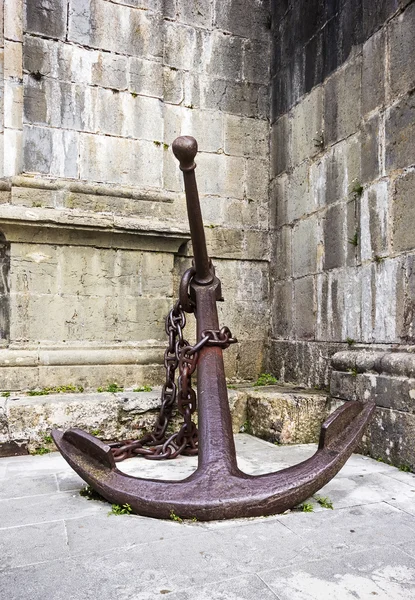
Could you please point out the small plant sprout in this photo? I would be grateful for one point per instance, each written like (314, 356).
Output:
(378, 259)
(319, 139)
(306, 507)
(265, 379)
(59, 389)
(354, 241)
(356, 188)
(96, 432)
(41, 450)
(111, 388)
(175, 517)
(117, 509)
(89, 493)
(324, 502)
(5, 394)
(405, 468)
(350, 341)
(353, 371)
(246, 427)
(143, 388)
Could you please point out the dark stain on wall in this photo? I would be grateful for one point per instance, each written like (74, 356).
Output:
(312, 38)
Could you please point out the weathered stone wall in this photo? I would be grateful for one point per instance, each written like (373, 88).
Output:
(91, 196)
(343, 184)
(343, 180)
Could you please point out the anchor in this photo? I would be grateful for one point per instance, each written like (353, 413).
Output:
(218, 489)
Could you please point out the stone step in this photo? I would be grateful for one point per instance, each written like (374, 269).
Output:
(281, 414)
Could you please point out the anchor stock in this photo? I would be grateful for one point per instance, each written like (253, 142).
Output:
(217, 489)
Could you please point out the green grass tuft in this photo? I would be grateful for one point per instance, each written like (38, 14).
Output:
(265, 379)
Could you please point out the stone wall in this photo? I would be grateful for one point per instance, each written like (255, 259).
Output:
(343, 184)
(343, 180)
(92, 214)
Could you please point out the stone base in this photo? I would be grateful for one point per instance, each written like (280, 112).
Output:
(281, 414)
(286, 415)
(304, 363)
(388, 379)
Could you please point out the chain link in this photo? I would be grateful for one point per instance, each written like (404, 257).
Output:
(157, 445)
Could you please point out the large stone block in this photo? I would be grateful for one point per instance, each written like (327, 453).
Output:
(245, 18)
(304, 240)
(282, 309)
(222, 175)
(375, 14)
(178, 40)
(111, 70)
(404, 213)
(256, 62)
(307, 125)
(257, 183)
(225, 60)
(302, 362)
(13, 104)
(393, 392)
(328, 301)
(145, 77)
(334, 225)
(281, 137)
(173, 86)
(120, 160)
(46, 17)
(287, 416)
(299, 200)
(370, 150)
(343, 102)
(50, 151)
(374, 221)
(373, 72)
(13, 60)
(245, 137)
(114, 27)
(304, 308)
(402, 52)
(205, 126)
(238, 98)
(407, 332)
(282, 253)
(195, 13)
(390, 437)
(400, 138)
(12, 13)
(341, 168)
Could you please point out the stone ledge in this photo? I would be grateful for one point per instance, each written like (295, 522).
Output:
(398, 363)
(281, 414)
(85, 187)
(85, 355)
(18, 224)
(386, 378)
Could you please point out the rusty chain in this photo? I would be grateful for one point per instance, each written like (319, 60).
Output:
(157, 445)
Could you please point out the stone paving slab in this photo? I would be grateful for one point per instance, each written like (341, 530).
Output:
(55, 543)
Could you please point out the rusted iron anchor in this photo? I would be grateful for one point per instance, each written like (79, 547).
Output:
(217, 489)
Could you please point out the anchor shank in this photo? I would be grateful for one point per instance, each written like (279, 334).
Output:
(216, 442)
(185, 149)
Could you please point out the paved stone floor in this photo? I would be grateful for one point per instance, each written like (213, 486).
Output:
(56, 544)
